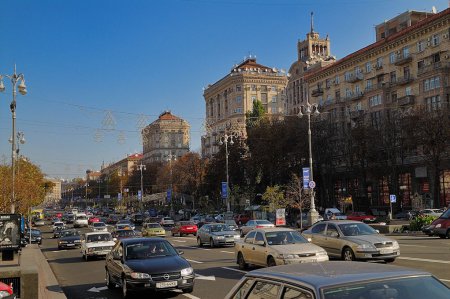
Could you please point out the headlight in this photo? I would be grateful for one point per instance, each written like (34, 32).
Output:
(287, 256)
(219, 237)
(4, 294)
(237, 236)
(62, 242)
(322, 253)
(138, 275)
(187, 271)
(366, 247)
(438, 225)
(77, 241)
(395, 244)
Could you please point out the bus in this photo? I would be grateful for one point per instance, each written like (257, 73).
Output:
(37, 213)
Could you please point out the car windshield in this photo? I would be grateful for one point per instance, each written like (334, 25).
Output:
(59, 224)
(99, 224)
(258, 222)
(356, 229)
(149, 249)
(69, 233)
(153, 225)
(35, 232)
(446, 215)
(98, 238)
(126, 233)
(284, 237)
(220, 228)
(410, 287)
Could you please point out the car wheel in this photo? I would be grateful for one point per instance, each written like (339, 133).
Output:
(199, 242)
(389, 260)
(109, 283)
(271, 262)
(124, 288)
(181, 234)
(86, 257)
(348, 255)
(188, 290)
(442, 236)
(241, 262)
(211, 243)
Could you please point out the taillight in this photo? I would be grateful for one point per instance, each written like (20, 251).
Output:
(259, 226)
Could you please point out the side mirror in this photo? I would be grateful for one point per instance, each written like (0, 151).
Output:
(260, 243)
(180, 252)
(377, 231)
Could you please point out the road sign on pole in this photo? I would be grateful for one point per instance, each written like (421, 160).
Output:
(312, 184)
(393, 198)
(139, 195)
(169, 195)
(306, 178)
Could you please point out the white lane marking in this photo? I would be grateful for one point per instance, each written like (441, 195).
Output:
(237, 270)
(227, 251)
(62, 250)
(191, 296)
(180, 241)
(446, 280)
(196, 248)
(422, 260)
(198, 276)
(196, 262)
(413, 245)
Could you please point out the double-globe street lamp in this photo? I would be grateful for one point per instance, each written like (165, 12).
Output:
(15, 79)
(225, 139)
(309, 109)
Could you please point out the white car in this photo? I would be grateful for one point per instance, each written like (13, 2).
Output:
(99, 227)
(58, 225)
(80, 220)
(96, 244)
(167, 221)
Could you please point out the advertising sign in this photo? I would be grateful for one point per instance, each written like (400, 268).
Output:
(9, 231)
(280, 217)
(306, 178)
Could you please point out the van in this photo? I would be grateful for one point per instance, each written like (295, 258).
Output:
(81, 220)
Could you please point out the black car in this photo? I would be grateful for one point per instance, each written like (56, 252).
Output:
(36, 237)
(148, 264)
(57, 232)
(138, 219)
(69, 238)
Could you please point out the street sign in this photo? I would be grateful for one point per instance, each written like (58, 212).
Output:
(393, 198)
(247, 201)
(312, 184)
(224, 190)
(106, 196)
(169, 195)
(139, 195)
(305, 178)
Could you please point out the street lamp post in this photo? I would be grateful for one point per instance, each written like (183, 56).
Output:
(142, 167)
(171, 157)
(225, 139)
(15, 78)
(309, 109)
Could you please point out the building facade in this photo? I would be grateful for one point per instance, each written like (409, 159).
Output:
(164, 138)
(123, 167)
(53, 195)
(407, 66)
(227, 100)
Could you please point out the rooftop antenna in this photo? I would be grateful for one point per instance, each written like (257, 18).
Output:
(433, 9)
(312, 22)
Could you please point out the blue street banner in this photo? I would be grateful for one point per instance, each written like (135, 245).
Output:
(224, 190)
(393, 198)
(169, 195)
(139, 195)
(306, 178)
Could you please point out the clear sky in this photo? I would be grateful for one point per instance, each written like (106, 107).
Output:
(98, 70)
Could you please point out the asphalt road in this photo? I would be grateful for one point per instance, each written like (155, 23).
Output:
(215, 268)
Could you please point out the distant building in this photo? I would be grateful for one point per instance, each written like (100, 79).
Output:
(231, 97)
(54, 194)
(167, 136)
(122, 167)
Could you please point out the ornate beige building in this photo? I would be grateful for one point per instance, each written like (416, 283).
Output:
(231, 97)
(123, 167)
(166, 137)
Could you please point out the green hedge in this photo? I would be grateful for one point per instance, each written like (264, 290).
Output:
(417, 223)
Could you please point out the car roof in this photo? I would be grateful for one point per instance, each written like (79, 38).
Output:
(96, 233)
(340, 221)
(323, 274)
(275, 229)
(129, 241)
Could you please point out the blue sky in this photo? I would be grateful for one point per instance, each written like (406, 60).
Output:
(96, 70)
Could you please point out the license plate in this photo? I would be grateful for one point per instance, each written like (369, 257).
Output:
(166, 284)
(385, 251)
(70, 244)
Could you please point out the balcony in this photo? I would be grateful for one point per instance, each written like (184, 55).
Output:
(317, 92)
(403, 59)
(406, 100)
(352, 78)
(356, 113)
(405, 80)
(441, 65)
(378, 67)
(354, 96)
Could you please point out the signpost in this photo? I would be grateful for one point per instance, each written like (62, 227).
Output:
(392, 199)
(312, 184)
(169, 195)
(306, 175)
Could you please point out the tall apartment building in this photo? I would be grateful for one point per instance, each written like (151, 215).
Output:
(53, 195)
(407, 65)
(165, 137)
(228, 99)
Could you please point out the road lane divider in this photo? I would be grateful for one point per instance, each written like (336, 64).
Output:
(193, 261)
(190, 296)
(236, 270)
(227, 251)
(423, 260)
(180, 241)
(192, 247)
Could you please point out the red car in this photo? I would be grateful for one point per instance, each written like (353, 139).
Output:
(93, 219)
(184, 228)
(241, 219)
(361, 216)
(6, 291)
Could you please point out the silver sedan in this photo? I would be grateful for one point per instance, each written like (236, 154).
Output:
(252, 224)
(216, 234)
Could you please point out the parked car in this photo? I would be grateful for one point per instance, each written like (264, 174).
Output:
(36, 237)
(216, 234)
(361, 216)
(184, 228)
(339, 280)
(119, 234)
(334, 214)
(93, 219)
(69, 238)
(252, 224)
(6, 291)
(99, 227)
(431, 212)
(148, 264)
(96, 244)
(276, 246)
(153, 230)
(440, 226)
(352, 240)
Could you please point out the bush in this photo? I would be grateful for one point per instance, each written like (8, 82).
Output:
(418, 222)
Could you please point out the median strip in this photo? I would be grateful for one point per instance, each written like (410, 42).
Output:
(227, 251)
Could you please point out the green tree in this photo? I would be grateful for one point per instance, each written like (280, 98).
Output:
(274, 197)
(253, 117)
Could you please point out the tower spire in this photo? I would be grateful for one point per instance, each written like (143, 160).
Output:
(312, 22)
